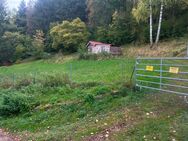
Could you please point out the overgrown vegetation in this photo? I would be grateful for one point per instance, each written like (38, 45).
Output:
(84, 105)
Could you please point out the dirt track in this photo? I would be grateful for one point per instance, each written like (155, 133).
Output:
(6, 137)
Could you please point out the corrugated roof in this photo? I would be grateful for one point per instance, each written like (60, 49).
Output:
(94, 43)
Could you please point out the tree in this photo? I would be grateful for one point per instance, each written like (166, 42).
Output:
(71, 35)
(141, 8)
(141, 14)
(38, 42)
(50, 11)
(18, 46)
(94, 7)
(162, 2)
(6, 52)
(29, 17)
(21, 21)
(151, 23)
(3, 16)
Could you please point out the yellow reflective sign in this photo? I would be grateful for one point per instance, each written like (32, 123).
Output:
(174, 70)
(149, 68)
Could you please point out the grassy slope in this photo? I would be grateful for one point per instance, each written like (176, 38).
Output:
(175, 47)
(104, 70)
(69, 113)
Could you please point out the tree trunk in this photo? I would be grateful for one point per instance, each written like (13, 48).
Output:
(151, 23)
(160, 21)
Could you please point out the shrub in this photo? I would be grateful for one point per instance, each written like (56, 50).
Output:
(82, 113)
(46, 55)
(124, 91)
(91, 56)
(87, 56)
(55, 80)
(13, 104)
(102, 90)
(23, 83)
(89, 99)
(89, 84)
(6, 84)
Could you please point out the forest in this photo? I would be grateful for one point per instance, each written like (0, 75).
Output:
(40, 28)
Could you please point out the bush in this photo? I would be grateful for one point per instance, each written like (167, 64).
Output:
(90, 56)
(55, 80)
(89, 99)
(6, 84)
(13, 104)
(89, 84)
(124, 91)
(102, 90)
(87, 56)
(23, 83)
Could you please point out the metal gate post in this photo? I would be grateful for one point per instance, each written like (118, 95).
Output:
(161, 72)
(135, 73)
(187, 49)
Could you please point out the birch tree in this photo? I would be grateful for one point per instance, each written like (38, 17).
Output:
(162, 4)
(141, 13)
(160, 21)
(151, 23)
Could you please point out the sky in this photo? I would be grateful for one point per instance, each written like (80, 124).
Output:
(13, 3)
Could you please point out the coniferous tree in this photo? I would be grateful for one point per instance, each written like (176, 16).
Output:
(29, 17)
(3, 15)
(21, 21)
(99, 12)
(49, 11)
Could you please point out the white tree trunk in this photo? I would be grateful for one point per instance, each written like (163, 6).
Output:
(151, 22)
(160, 21)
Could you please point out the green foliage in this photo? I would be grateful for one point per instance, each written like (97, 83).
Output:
(87, 56)
(14, 104)
(55, 80)
(117, 22)
(6, 52)
(91, 56)
(89, 99)
(21, 17)
(100, 90)
(38, 43)
(18, 46)
(72, 35)
(141, 12)
(99, 13)
(88, 107)
(23, 83)
(48, 11)
(3, 14)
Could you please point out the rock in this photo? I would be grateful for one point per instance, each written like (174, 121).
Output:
(106, 135)
(147, 114)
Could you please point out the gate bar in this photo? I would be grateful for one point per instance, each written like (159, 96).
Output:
(159, 58)
(178, 86)
(169, 78)
(162, 71)
(162, 90)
